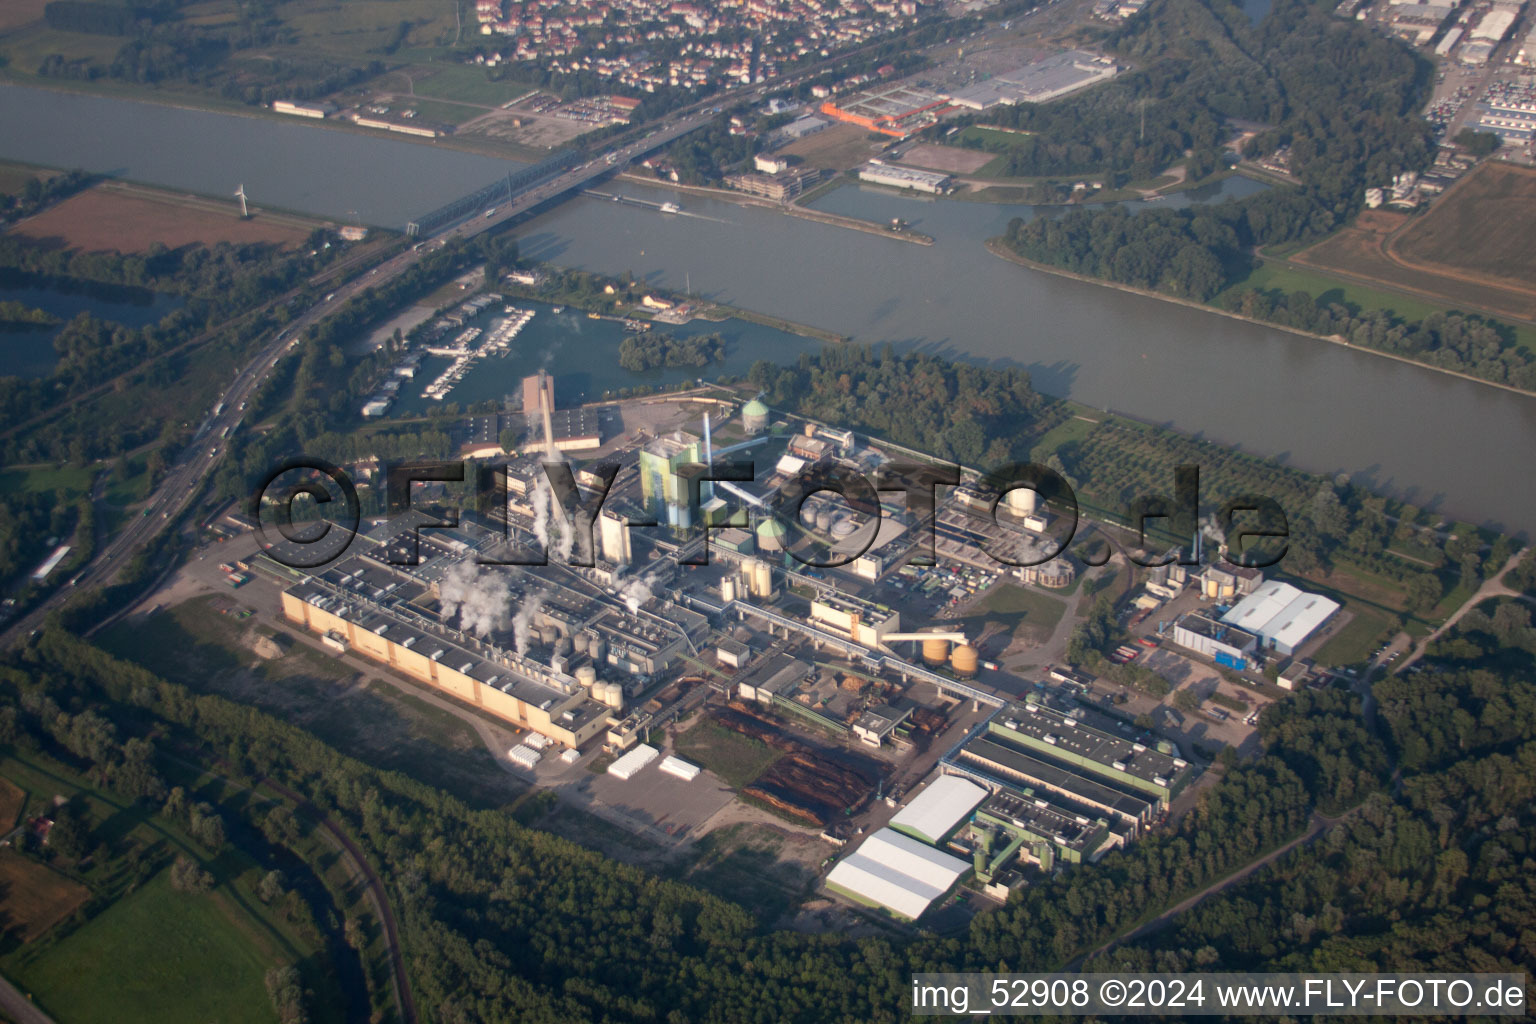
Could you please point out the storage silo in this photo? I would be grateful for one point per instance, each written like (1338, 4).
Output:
(1022, 501)
(770, 535)
(586, 675)
(824, 520)
(754, 417)
(563, 647)
(936, 651)
(579, 643)
(599, 649)
(728, 589)
(964, 661)
(762, 579)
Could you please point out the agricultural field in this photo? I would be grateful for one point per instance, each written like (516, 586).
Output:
(34, 897)
(1480, 229)
(156, 954)
(461, 83)
(13, 800)
(16, 13)
(14, 177)
(132, 219)
(1365, 252)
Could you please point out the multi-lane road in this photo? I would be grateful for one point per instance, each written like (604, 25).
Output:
(186, 476)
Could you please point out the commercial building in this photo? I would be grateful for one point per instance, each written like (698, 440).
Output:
(1067, 770)
(613, 538)
(896, 873)
(1040, 831)
(563, 713)
(939, 809)
(895, 110)
(1039, 82)
(662, 486)
(1283, 617)
(315, 110)
(1223, 643)
(862, 621)
(879, 173)
(780, 186)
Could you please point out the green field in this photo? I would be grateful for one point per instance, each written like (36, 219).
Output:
(1355, 642)
(1016, 608)
(442, 113)
(735, 758)
(73, 480)
(1274, 276)
(464, 84)
(155, 955)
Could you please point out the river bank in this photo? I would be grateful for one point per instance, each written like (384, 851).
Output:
(998, 248)
(789, 209)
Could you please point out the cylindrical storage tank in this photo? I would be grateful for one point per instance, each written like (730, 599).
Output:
(770, 535)
(579, 643)
(843, 527)
(599, 649)
(762, 578)
(563, 647)
(586, 675)
(1022, 501)
(824, 520)
(613, 695)
(728, 589)
(936, 651)
(964, 660)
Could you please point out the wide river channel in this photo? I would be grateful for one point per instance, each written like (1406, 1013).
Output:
(1451, 444)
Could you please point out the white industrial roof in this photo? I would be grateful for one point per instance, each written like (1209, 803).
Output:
(626, 766)
(1281, 613)
(897, 872)
(790, 465)
(940, 807)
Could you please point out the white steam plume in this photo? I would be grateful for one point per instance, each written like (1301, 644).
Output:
(523, 620)
(479, 600)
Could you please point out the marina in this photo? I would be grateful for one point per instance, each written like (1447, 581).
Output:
(498, 340)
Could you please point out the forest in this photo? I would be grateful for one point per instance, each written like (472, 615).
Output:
(502, 922)
(974, 415)
(1343, 98)
(653, 349)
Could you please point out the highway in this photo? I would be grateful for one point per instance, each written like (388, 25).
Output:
(185, 478)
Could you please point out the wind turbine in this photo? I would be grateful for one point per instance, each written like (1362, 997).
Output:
(245, 213)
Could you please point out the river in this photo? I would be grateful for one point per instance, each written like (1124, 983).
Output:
(1440, 441)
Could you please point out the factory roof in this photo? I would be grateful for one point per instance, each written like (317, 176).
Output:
(934, 813)
(1006, 759)
(897, 872)
(1040, 817)
(1281, 613)
(1065, 733)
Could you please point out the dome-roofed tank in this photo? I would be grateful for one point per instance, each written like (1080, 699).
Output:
(770, 535)
(586, 675)
(754, 417)
(964, 660)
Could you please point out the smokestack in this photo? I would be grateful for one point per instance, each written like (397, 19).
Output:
(709, 460)
(549, 426)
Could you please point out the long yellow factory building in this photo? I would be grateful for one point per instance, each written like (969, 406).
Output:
(570, 718)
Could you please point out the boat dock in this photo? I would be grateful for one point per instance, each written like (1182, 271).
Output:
(497, 340)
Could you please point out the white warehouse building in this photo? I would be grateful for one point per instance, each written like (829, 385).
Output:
(896, 872)
(1283, 617)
